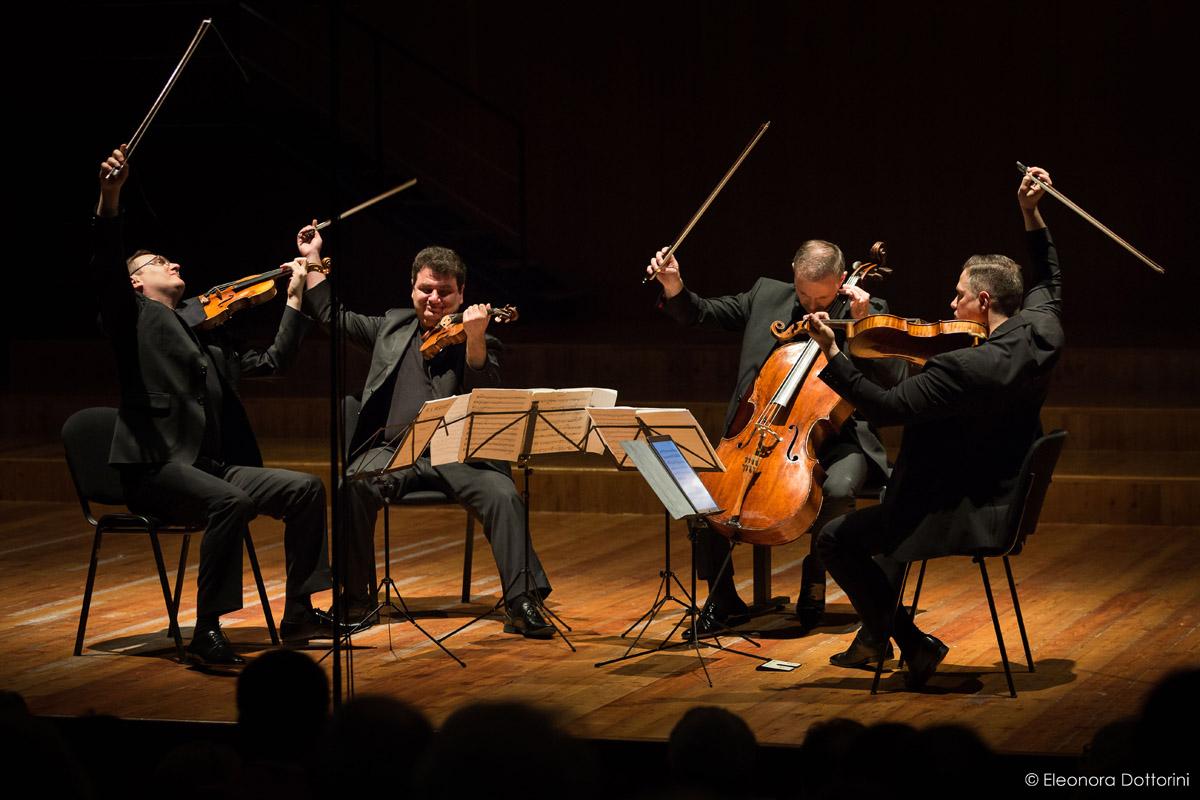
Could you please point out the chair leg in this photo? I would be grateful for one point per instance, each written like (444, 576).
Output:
(87, 590)
(262, 590)
(883, 645)
(183, 553)
(1012, 587)
(916, 599)
(172, 610)
(987, 587)
(468, 555)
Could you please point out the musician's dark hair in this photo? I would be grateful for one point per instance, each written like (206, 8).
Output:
(442, 261)
(818, 259)
(136, 254)
(1000, 277)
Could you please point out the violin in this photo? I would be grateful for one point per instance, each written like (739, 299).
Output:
(771, 492)
(223, 301)
(450, 330)
(889, 336)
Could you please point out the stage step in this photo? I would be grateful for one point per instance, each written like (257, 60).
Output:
(35, 418)
(1090, 486)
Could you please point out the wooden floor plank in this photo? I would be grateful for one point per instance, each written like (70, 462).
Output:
(1110, 610)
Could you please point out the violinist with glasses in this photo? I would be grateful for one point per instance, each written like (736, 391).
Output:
(183, 442)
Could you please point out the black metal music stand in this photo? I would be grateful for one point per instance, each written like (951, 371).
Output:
(530, 420)
(692, 611)
(388, 584)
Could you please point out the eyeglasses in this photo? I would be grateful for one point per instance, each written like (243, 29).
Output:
(156, 261)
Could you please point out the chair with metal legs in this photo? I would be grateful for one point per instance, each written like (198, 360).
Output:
(87, 437)
(1023, 512)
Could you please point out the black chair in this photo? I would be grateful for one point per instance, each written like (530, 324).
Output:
(1024, 510)
(423, 497)
(87, 437)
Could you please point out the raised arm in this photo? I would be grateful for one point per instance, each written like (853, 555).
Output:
(109, 275)
(360, 329)
(1045, 294)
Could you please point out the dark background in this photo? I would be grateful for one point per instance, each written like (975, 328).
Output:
(559, 144)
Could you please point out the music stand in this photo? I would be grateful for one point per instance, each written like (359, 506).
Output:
(611, 433)
(405, 453)
(535, 421)
(676, 484)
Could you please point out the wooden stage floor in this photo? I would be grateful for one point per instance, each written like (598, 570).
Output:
(1110, 610)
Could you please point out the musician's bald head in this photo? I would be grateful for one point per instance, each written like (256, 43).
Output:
(818, 271)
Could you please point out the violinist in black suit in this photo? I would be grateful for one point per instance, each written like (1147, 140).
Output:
(848, 460)
(183, 442)
(399, 381)
(969, 419)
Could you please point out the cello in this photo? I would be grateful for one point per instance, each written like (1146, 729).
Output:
(771, 493)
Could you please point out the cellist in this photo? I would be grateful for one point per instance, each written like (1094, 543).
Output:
(849, 460)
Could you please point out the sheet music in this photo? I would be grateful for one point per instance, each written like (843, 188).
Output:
(447, 439)
(420, 431)
(680, 425)
(498, 429)
(562, 419)
(610, 427)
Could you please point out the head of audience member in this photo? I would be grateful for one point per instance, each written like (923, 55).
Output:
(481, 747)
(373, 745)
(282, 704)
(708, 735)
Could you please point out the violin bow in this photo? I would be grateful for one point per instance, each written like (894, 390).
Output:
(367, 204)
(712, 196)
(1062, 198)
(166, 90)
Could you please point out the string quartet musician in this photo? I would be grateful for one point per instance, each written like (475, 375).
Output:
(183, 442)
(399, 381)
(850, 459)
(969, 417)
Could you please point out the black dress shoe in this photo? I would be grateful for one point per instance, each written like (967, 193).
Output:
(810, 605)
(718, 616)
(315, 624)
(212, 648)
(522, 616)
(923, 660)
(863, 653)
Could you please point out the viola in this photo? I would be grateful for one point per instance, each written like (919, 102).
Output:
(450, 330)
(889, 336)
(223, 301)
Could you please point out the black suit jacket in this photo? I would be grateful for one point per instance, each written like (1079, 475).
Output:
(162, 366)
(969, 419)
(386, 338)
(751, 313)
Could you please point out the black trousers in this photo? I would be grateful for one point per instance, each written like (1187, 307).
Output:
(853, 549)
(846, 471)
(226, 498)
(480, 486)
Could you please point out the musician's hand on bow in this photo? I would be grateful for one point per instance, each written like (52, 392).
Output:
(308, 242)
(821, 333)
(110, 187)
(1030, 192)
(666, 272)
(1028, 195)
(860, 300)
